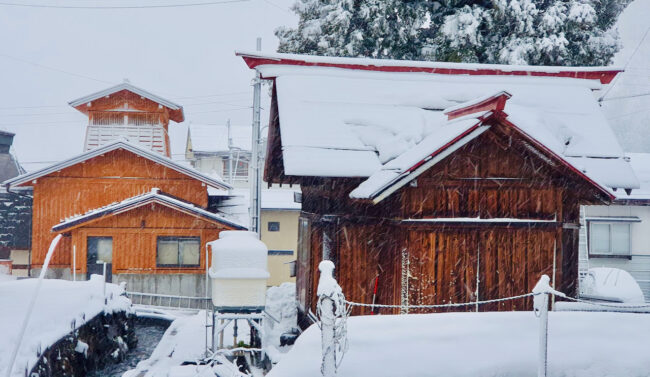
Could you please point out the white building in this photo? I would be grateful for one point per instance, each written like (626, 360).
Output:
(220, 150)
(618, 235)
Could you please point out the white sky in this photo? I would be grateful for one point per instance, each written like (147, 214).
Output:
(189, 52)
(172, 52)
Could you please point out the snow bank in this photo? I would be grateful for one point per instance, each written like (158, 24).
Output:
(184, 341)
(61, 305)
(281, 305)
(611, 284)
(500, 344)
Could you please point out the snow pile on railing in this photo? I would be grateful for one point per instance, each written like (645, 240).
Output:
(61, 307)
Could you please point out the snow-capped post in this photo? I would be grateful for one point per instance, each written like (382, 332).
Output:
(332, 313)
(540, 307)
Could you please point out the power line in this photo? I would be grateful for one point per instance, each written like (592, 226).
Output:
(54, 69)
(624, 97)
(277, 6)
(626, 65)
(121, 6)
(186, 105)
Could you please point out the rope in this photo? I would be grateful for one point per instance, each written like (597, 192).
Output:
(351, 303)
(614, 306)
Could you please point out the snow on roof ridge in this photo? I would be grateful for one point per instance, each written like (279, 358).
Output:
(490, 102)
(256, 58)
(113, 145)
(155, 193)
(134, 89)
(125, 86)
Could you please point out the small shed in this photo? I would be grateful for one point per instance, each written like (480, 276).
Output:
(442, 182)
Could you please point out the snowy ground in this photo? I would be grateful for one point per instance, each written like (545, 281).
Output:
(503, 344)
(60, 306)
(184, 340)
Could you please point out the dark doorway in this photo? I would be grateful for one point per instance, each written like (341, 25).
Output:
(100, 251)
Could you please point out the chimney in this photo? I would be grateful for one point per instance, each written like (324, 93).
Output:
(6, 139)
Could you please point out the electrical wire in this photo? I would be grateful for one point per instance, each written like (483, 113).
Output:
(54, 69)
(31, 5)
(625, 97)
(626, 65)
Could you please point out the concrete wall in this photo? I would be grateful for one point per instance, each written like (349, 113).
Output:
(285, 240)
(638, 265)
(192, 285)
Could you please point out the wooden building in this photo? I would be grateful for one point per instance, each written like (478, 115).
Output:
(443, 183)
(124, 201)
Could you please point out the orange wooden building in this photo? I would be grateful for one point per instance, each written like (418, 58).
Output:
(124, 201)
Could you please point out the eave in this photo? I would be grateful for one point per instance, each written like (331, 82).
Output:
(119, 144)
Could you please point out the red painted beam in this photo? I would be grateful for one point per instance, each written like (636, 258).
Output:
(494, 103)
(604, 76)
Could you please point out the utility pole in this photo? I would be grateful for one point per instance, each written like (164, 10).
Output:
(256, 182)
(230, 172)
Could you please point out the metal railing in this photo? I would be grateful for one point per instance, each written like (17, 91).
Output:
(169, 301)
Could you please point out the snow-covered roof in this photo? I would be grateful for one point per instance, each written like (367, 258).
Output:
(641, 165)
(214, 138)
(236, 202)
(176, 113)
(154, 196)
(125, 145)
(340, 117)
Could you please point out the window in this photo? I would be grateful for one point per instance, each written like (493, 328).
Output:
(609, 239)
(239, 167)
(100, 250)
(178, 251)
(273, 226)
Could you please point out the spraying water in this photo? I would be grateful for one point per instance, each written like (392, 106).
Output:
(30, 308)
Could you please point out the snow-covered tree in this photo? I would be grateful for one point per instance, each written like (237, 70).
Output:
(374, 28)
(548, 32)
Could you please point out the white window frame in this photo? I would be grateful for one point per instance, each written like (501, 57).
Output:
(610, 252)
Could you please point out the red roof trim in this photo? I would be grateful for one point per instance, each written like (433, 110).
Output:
(545, 149)
(604, 76)
(499, 114)
(496, 102)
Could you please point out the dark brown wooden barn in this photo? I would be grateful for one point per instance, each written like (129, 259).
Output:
(478, 207)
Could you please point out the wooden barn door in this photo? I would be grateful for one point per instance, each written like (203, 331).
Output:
(443, 265)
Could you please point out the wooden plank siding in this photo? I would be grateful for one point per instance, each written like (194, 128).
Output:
(495, 176)
(100, 181)
(135, 238)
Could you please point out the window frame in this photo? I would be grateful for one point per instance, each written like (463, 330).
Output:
(178, 251)
(611, 253)
(268, 226)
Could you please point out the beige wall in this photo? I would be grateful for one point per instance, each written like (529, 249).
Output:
(20, 257)
(286, 240)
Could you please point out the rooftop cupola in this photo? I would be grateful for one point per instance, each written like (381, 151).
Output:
(125, 111)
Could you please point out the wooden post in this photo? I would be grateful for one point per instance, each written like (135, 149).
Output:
(326, 289)
(540, 308)
(542, 366)
(74, 262)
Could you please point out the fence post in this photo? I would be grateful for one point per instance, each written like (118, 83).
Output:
(331, 305)
(540, 307)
